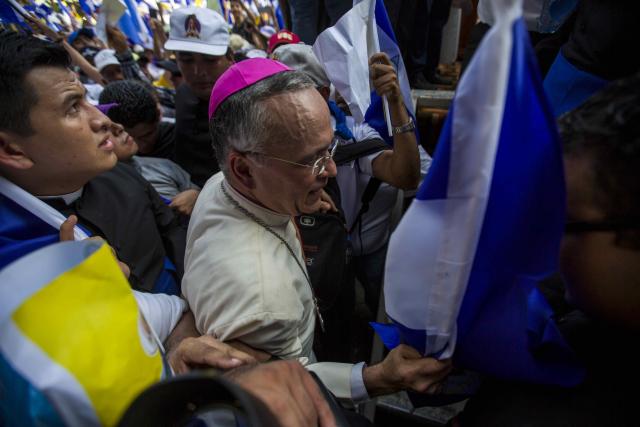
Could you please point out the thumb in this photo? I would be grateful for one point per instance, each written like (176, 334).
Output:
(66, 229)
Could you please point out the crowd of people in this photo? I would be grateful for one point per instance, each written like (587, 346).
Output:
(217, 165)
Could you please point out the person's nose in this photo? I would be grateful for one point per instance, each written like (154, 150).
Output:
(99, 122)
(330, 169)
(199, 69)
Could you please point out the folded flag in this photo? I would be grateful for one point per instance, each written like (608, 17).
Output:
(344, 51)
(486, 225)
(74, 348)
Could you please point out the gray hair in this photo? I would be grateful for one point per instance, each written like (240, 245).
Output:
(242, 121)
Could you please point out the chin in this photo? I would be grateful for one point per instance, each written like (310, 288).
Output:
(109, 163)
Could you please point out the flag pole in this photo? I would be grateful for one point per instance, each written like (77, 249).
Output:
(387, 116)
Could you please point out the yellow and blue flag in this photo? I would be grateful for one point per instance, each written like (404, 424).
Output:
(74, 348)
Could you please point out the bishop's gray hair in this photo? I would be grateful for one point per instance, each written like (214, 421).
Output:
(243, 121)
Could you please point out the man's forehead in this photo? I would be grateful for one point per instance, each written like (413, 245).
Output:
(300, 113)
(53, 80)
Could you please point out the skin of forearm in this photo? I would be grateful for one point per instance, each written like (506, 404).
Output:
(91, 71)
(374, 381)
(185, 328)
(405, 162)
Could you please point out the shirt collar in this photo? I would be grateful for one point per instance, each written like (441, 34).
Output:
(271, 218)
(68, 198)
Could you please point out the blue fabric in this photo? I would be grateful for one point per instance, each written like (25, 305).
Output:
(553, 15)
(21, 404)
(374, 116)
(519, 242)
(567, 87)
(64, 9)
(341, 128)
(21, 232)
(8, 15)
(167, 282)
(87, 6)
(279, 16)
(129, 23)
(505, 326)
(73, 36)
(42, 11)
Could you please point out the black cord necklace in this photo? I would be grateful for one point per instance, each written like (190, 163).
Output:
(279, 237)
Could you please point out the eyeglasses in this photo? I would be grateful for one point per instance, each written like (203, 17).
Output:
(318, 166)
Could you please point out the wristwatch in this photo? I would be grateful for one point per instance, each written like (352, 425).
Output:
(407, 127)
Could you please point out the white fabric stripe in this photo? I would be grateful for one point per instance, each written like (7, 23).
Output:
(27, 275)
(453, 225)
(61, 388)
(475, 134)
(411, 263)
(36, 206)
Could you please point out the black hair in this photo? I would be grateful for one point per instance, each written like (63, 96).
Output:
(137, 103)
(606, 131)
(19, 54)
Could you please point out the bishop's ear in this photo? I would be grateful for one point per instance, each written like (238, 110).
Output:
(242, 169)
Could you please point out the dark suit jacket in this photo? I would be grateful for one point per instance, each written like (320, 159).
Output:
(125, 210)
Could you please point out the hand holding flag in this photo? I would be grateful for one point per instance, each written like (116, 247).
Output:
(344, 51)
(384, 77)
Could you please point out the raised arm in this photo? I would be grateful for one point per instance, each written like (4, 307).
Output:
(399, 167)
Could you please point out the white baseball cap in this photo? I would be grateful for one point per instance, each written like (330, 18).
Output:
(105, 58)
(300, 57)
(198, 30)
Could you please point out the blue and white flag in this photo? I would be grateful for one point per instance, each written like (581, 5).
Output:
(344, 51)
(88, 7)
(10, 13)
(27, 223)
(486, 225)
(133, 26)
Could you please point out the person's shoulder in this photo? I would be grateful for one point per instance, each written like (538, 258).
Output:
(120, 177)
(210, 209)
(154, 162)
(166, 128)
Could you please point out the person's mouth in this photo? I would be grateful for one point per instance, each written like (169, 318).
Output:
(315, 194)
(106, 145)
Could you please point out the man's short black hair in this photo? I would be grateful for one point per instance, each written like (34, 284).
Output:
(606, 131)
(19, 54)
(137, 103)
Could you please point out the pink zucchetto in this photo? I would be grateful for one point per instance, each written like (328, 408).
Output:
(241, 75)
